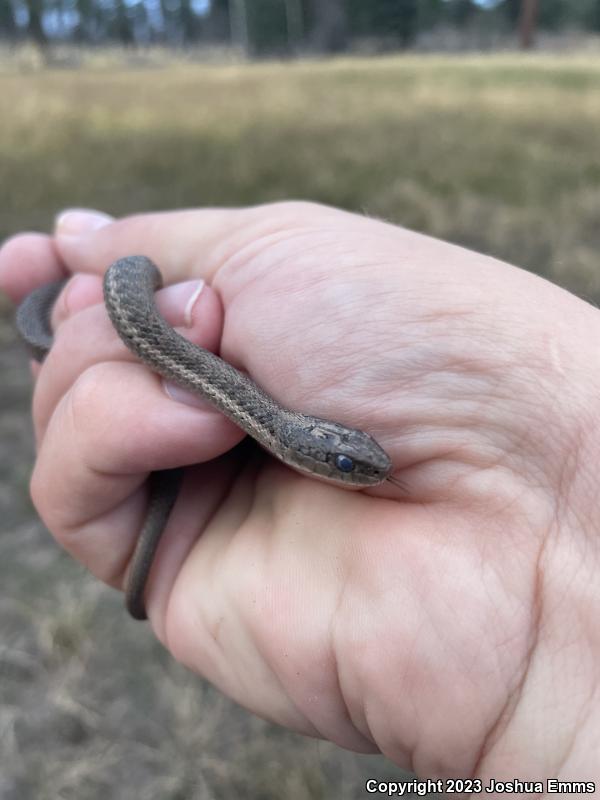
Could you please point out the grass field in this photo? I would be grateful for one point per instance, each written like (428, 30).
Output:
(500, 154)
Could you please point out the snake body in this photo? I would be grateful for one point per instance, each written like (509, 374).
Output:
(317, 447)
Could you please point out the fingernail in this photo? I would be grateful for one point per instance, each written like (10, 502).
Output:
(78, 221)
(180, 299)
(181, 395)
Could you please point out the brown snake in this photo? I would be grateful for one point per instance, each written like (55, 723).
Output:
(314, 446)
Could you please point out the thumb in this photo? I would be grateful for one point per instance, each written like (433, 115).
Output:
(193, 243)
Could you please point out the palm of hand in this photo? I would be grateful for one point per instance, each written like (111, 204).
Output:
(383, 589)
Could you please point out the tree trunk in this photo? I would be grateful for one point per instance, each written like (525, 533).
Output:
(35, 29)
(8, 26)
(527, 23)
(595, 16)
(330, 33)
(295, 23)
(238, 18)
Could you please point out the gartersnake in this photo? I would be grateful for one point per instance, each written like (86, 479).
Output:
(314, 446)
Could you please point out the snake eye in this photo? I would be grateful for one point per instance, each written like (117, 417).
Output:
(344, 463)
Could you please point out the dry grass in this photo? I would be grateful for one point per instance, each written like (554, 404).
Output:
(500, 154)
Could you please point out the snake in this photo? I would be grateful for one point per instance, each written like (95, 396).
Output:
(316, 447)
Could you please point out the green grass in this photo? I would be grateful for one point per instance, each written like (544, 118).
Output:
(500, 154)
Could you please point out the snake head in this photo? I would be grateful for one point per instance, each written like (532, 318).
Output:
(338, 453)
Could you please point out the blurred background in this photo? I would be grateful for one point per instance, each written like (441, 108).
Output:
(477, 122)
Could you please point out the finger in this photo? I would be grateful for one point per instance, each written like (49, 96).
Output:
(110, 429)
(27, 261)
(80, 292)
(204, 489)
(174, 240)
(183, 243)
(87, 338)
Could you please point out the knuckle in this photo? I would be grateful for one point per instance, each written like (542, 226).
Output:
(295, 209)
(37, 488)
(88, 409)
(43, 496)
(85, 395)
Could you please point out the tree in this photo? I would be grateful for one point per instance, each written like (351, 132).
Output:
(557, 14)
(35, 27)
(8, 25)
(238, 19)
(391, 22)
(329, 26)
(217, 26)
(267, 27)
(294, 17)
(397, 18)
(527, 22)
(121, 28)
(430, 13)
(461, 12)
(512, 9)
(189, 22)
(594, 16)
(551, 15)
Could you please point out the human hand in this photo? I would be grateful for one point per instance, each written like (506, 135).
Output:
(427, 624)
